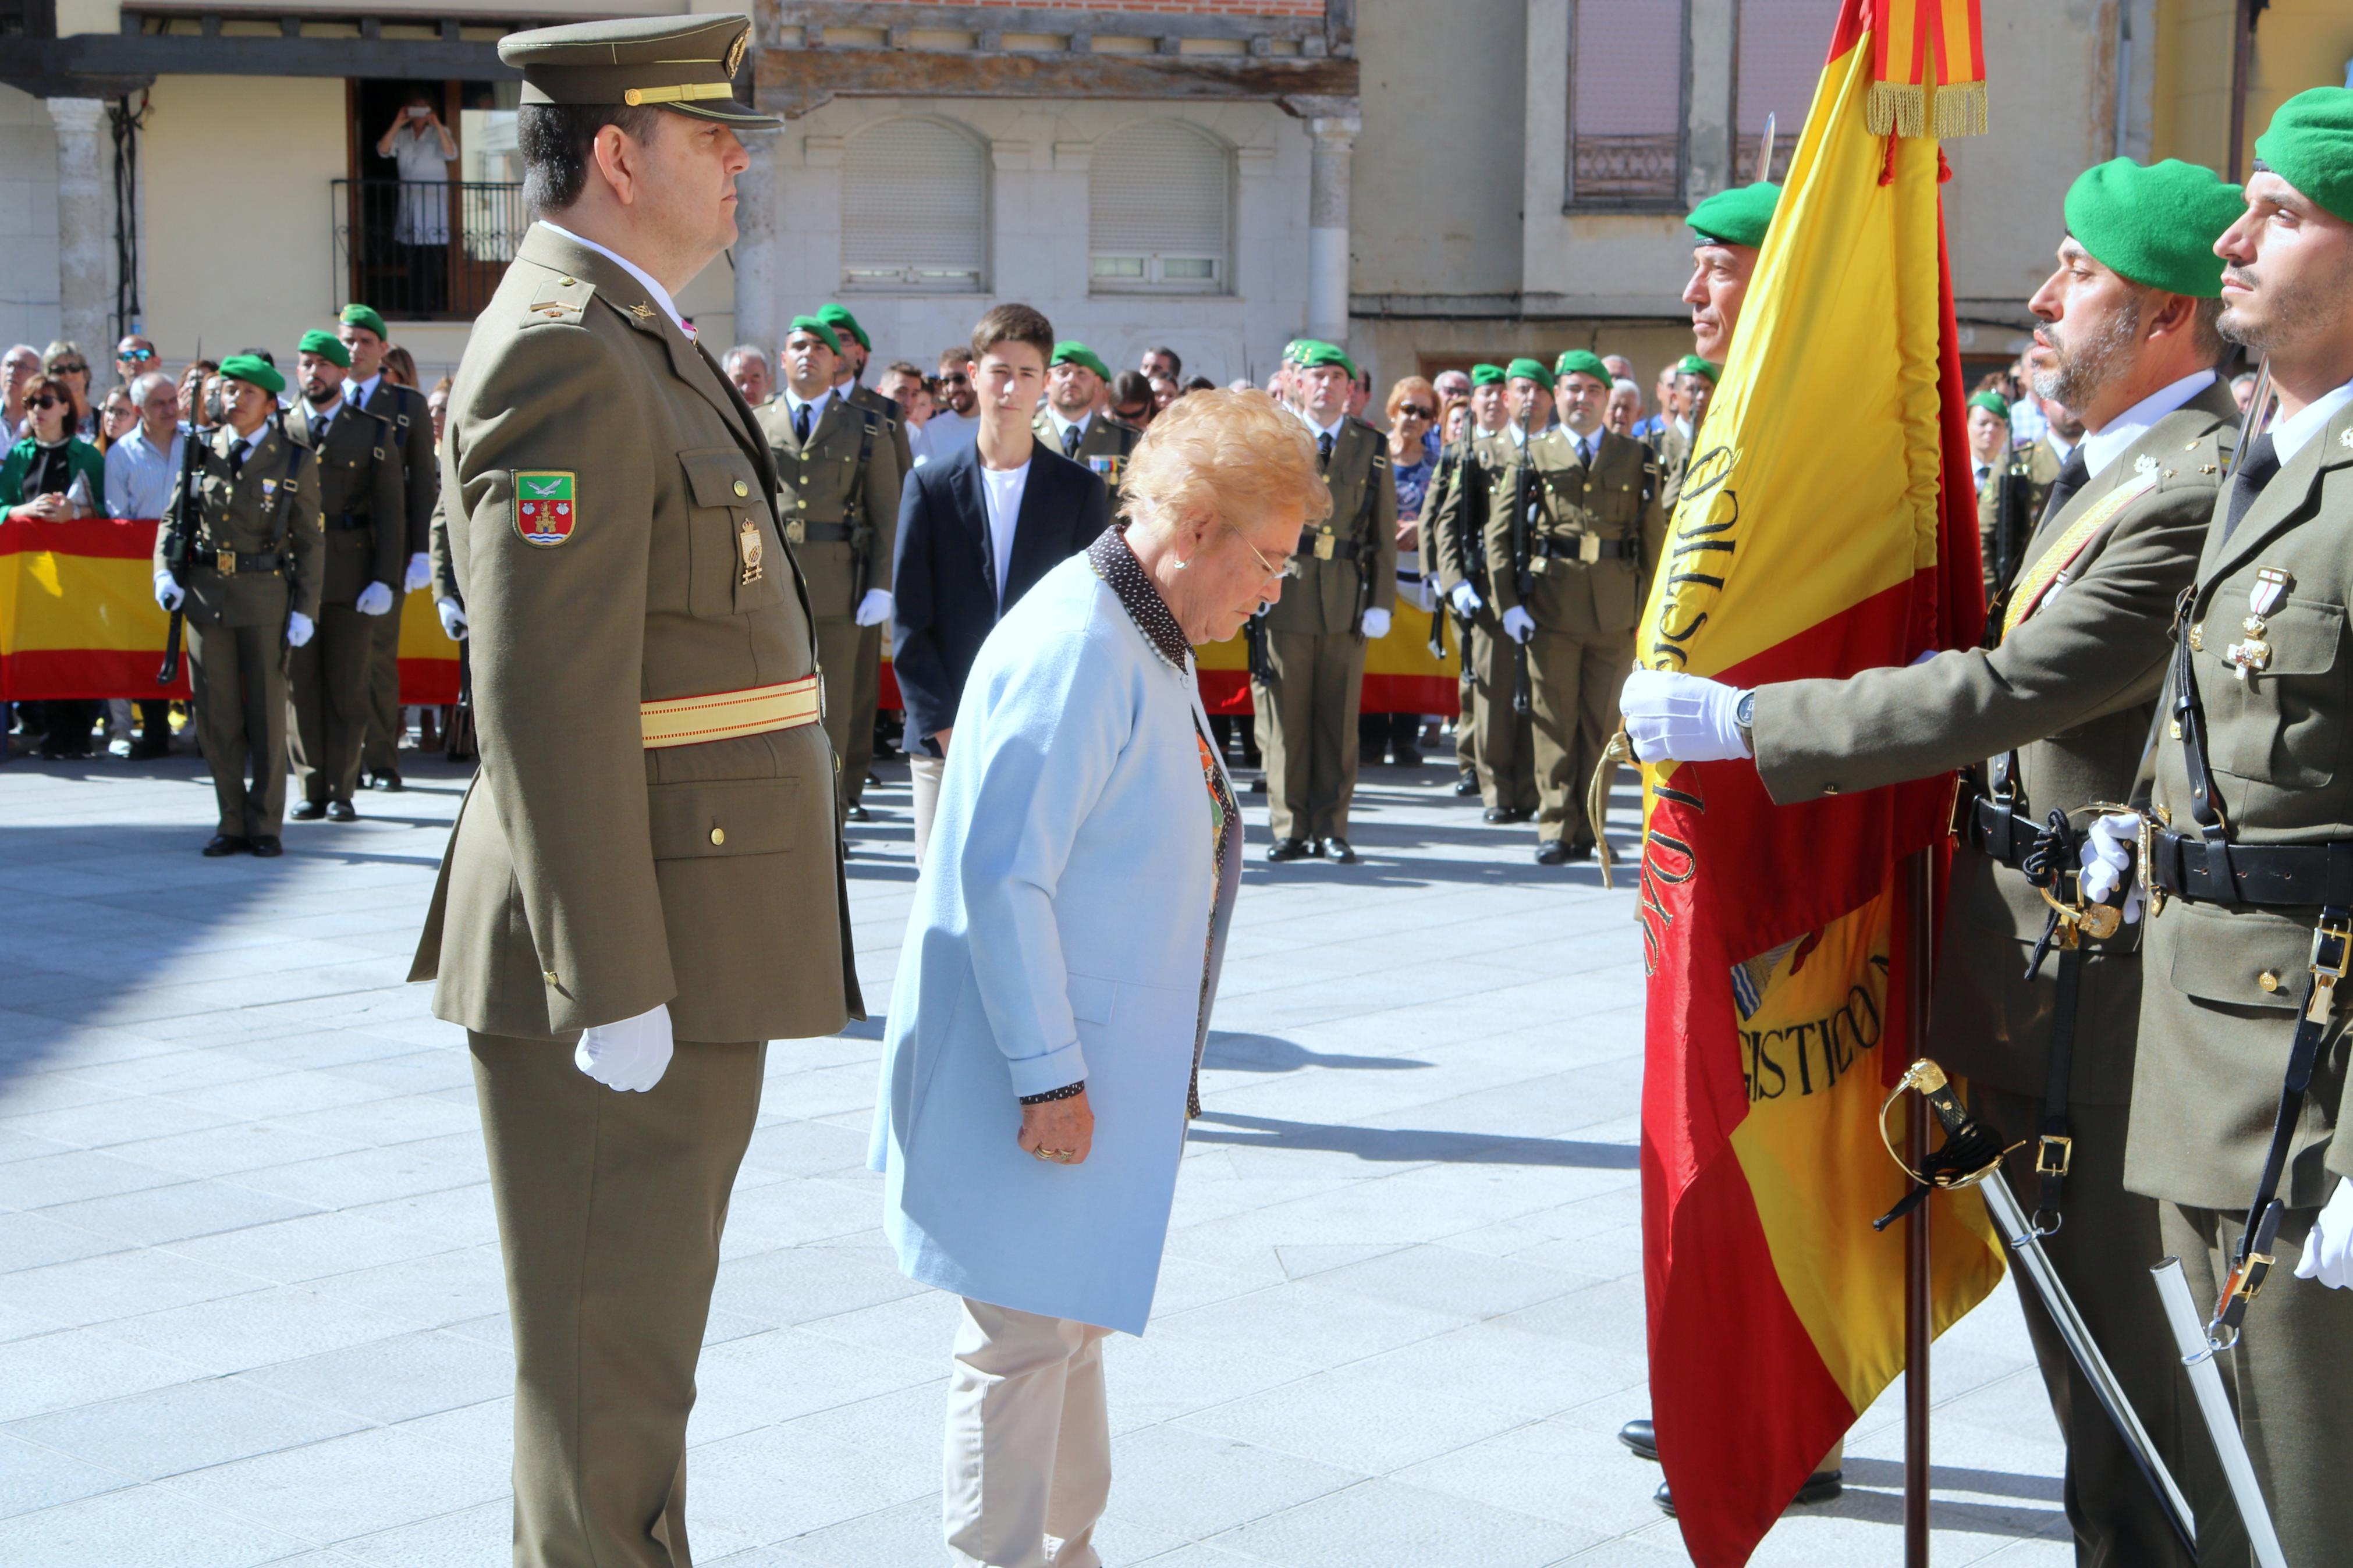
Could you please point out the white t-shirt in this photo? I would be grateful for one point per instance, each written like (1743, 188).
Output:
(948, 433)
(1003, 488)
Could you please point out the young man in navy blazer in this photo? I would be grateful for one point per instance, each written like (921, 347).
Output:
(975, 530)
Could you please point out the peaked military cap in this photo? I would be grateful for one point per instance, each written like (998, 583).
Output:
(1737, 217)
(1581, 361)
(684, 63)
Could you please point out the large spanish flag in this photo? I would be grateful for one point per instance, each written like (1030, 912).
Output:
(1773, 935)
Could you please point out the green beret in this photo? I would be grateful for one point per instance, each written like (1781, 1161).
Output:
(815, 327)
(1487, 375)
(1993, 402)
(2310, 145)
(839, 318)
(326, 346)
(1692, 364)
(1312, 354)
(2155, 223)
(1073, 351)
(1531, 368)
(1737, 217)
(361, 316)
(1294, 348)
(255, 369)
(1581, 361)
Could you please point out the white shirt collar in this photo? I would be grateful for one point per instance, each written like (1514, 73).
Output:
(311, 413)
(1333, 429)
(794, 401)
(360, 392)
(1062, 425)
(2106, 444)
(1584, 443)
(661, 294)
(2061, 447)
(2291, 435)
(1683, 427)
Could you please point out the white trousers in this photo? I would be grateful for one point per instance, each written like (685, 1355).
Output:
(1029, 1441)
(925, 771)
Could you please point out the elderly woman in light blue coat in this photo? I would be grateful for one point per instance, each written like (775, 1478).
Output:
(1054, 989)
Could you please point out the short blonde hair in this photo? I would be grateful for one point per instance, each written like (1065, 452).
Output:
(1415, 387)
(1225, 454)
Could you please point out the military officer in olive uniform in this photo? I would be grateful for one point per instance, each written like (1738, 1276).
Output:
(2053, 717)
(1569, 581)
(365, 338)
(849, 370)
(249, 586)
(366, 545)
(2014, 483)
(1070, 418)
(643, 885)
(2253, 809)
(1343, 588)
(839, 502)
(1502, 743)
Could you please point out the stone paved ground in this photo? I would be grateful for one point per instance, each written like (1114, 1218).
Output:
(252, 1312)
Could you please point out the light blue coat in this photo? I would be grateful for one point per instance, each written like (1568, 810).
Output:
(1059, 932)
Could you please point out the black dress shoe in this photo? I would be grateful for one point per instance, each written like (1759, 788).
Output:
(1468, 783)
(308, 811)
(1822, 1485)
(1408, 758)
(225, 844)
(858, 813)
(265, 845)
(143, 749)
(389, 781)
(342, 811)
(1580, 851)
(1287, 849)
(1551, 852)
(1642, 1437)
(1257, 786)
(1497, 815)
(1337, 850)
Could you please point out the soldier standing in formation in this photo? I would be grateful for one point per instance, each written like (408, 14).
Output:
(1071, 420)
(839, 500)
(643, 885)
(1571, 543)
(1503, 740)
(364, 543)
(2014, 483)
(248, 581)
(365, 339)
(1344, 586)
(1454, 561)
(849, 368)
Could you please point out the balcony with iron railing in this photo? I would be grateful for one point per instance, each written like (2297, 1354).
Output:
(1626, 171)
(425, 250)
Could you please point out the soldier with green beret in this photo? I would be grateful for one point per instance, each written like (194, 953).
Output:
(1728, 232)
(364, 540)
(840, 502)
(2053, 717)
(248, 583)
(365, 338)
(849, 373)
(643, 886)
(1343, 586)
(1072, 418)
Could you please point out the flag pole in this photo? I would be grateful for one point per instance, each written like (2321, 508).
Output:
(1920, 927)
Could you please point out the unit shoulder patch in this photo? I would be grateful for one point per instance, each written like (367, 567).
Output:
(546, 507)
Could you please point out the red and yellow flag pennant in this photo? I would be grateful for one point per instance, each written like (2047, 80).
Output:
(1774, 936)
(1928, 69)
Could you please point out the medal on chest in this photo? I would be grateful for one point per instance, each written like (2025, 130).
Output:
(749, 550)
(2253, 655)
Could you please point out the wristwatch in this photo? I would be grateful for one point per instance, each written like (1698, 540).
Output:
(1744, 713)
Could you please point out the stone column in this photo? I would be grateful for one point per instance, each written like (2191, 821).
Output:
(85, 232)
(1712, 141)
(759, 279)
(1334, 153)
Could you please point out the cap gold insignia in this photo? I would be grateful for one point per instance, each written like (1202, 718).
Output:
(736, 52)
(642, 312)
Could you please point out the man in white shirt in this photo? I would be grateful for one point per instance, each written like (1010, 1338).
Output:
(956, 420)
(747, 367)
(141, 470)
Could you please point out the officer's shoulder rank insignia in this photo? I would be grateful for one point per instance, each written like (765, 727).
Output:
(543, 507)
(2345, 436)
(2144, 464)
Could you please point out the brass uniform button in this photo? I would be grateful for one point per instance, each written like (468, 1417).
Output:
(741, 489)
(1830, 789)
(719, 836)
(548, 975)
(2269, 980)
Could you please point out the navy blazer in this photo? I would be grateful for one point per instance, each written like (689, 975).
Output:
(944, 573)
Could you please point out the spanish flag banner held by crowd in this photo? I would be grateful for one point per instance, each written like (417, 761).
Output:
(1774, 936)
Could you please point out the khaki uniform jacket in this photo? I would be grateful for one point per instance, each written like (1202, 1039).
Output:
(361, 504)
(1616, 500)
(1457, 509)
(1106, 437)
(822, 485)
(2030, 471)
(2072, 689)
(445, 569)
(1675, 450)
(243, 513)
(404, 409)
(894, 420)
(2213, 1040)
(1323, 593)
(589, 879)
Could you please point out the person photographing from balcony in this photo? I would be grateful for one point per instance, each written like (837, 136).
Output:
(422, 150)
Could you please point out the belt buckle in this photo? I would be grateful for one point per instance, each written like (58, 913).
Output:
(1326, 547)
(796, 533)
(225, 563)
(2330, 941)
(1588, 548)
(2055, 1154)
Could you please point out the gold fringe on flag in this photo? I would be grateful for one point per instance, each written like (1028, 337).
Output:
(1928, 70)
(1895, 109)
(1961, 110)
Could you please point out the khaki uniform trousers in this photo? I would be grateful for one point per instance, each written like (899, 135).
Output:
(1029, 1441)
(852, 659)
(380, 753)
(610, 1207)
(1574, 685)
(328, 680)
(2290, 1378)
(1306, 727)
(236, 676)
(1506, 749)
(2103, 1250)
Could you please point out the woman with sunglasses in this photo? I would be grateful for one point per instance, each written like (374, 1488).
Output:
(1412, 408)
(53, 476)
(69, 364)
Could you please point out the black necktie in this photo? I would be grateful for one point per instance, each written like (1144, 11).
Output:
(1585, 450)
(801, 424)
(2254, 471)
(2073, 474)
(318, 431)
(1071, 436)
(1324, 449)
(236, 457)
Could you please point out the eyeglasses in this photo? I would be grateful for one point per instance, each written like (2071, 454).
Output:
(136, 356)
(44, 401)
(1268, 567)
(76, 368)
(1414, 411)
(953, 378)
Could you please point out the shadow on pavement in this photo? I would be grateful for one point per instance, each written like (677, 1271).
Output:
(1272, 1053)
(1410, 1145)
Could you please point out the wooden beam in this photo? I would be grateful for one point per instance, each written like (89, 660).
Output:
(1054, 20)
(106, 64)
(794, 81)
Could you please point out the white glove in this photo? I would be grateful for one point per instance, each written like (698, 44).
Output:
(169, 594)
(2107, 865)
(373, 600)
(2329, 1250)
(1467, 601)
(453, 618)
(1377, 622)
(298, 629)
(875, 609)
(1682, 718)
(420, 572)
(631, 1056)
(1518, 625)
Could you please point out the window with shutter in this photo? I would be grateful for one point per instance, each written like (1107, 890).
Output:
(1779, 60)
(915, 210)
(1160, 211)
(1626, 103)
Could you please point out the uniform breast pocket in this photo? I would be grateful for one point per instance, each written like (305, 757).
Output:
(736, 562)
(2282, 725)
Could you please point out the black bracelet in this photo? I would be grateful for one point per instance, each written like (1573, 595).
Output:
(1067, 1091)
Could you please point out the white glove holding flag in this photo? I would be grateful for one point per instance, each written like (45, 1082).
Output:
(2107, 864)
(1377, 624)
(1682, 718)
(453, 618)
(875, 609)
(1518, 625)
(631, 1056)
(1467, 602)
(169, 594)
(298, 629)
(420, 572)
(2329, 1250)
(373, 600)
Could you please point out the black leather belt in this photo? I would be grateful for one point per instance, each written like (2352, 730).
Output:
(238, 563)
(2259, 876)
(799, 532)
(1328, 547)
(1584, 548)
(350, 519)
(1996, 831)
